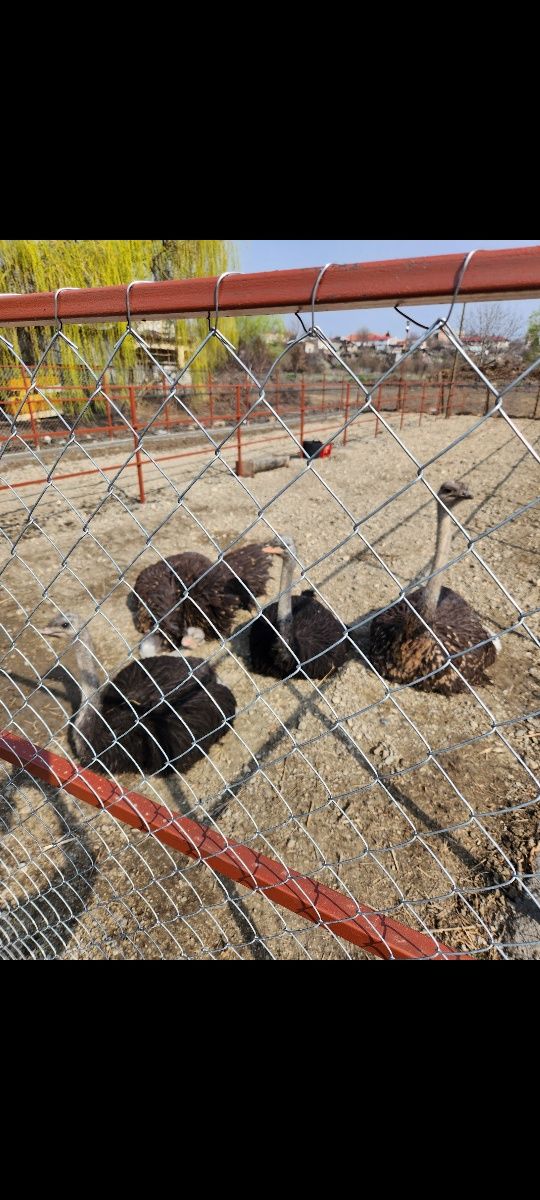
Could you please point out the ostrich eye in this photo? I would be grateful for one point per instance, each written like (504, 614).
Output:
(65, 624)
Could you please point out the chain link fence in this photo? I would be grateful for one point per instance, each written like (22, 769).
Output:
(259, 793)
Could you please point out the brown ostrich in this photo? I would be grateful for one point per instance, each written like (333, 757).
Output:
(403, 650)
(180, 601)
(154, 716)
(298, 633)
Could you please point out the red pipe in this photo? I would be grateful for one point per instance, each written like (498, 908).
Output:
(491, 274)
(356, 923)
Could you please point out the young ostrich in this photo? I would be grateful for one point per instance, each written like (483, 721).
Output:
(402, 649)
(151, 716)
(176, 607)
(299, 628)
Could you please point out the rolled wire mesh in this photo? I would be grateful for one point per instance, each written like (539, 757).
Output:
(418, 807)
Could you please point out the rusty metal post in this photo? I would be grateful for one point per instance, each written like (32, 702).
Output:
(422, 401)
(33, 422)
(440, 406)
(347, 401)
(106, 388)
(138, 455)
(165, 388)
(378, 407)
(449, 402)
(239, 469)
(403, 389)
(210, 400)
(32, 417)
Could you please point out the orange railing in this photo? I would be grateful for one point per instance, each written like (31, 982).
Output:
(357, 923)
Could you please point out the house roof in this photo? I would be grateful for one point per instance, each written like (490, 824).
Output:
(368, 337)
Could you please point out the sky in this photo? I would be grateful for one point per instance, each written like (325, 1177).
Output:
(281, 255)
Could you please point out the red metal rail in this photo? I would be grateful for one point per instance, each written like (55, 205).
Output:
(149, 462)
(491, 274)
(357, 923)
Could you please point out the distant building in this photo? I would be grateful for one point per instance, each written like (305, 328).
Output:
(160, 337)
(480, 345)
(380, 342)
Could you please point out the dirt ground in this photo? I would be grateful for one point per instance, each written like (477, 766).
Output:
(425, 807)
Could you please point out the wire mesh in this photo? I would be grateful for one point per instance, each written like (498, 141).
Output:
(416, 807)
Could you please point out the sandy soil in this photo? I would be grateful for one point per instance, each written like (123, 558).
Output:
(423, 806)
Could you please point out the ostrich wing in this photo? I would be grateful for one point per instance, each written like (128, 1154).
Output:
(210, 595)
(180, 710)
(252, 566)
(157, 594)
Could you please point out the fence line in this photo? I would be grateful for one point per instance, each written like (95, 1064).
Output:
(409, 397)
(492, 274)
(345, 772)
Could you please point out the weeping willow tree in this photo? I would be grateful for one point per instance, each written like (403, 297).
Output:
(43, 266)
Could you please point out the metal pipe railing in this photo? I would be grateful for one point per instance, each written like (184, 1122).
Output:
(357, 923)
(491, 274)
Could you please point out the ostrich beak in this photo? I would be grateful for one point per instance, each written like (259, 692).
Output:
(190, 643)
(272, 550)
(52, 631)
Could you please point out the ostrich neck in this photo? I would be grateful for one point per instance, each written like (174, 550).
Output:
(87, 678)
(284, 609)
(432, 589)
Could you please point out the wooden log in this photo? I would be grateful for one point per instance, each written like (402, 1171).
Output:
(269, 462)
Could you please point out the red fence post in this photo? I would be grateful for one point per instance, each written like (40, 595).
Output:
(238, 431)
(403, 389)
(449, 401)
(347, 400)
(211, 400)
(440, 406)
(33, 423)
(30, 410)
(378, 407)
(106, 387)
(422, 403)
(138, 455)
(165, 388)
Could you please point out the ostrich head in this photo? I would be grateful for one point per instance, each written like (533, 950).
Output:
(281, 545)
(65, 625)
(452, 493)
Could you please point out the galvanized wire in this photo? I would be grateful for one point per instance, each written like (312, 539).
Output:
(77, 883)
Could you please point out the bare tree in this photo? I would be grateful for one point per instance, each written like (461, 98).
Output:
(488, 323)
